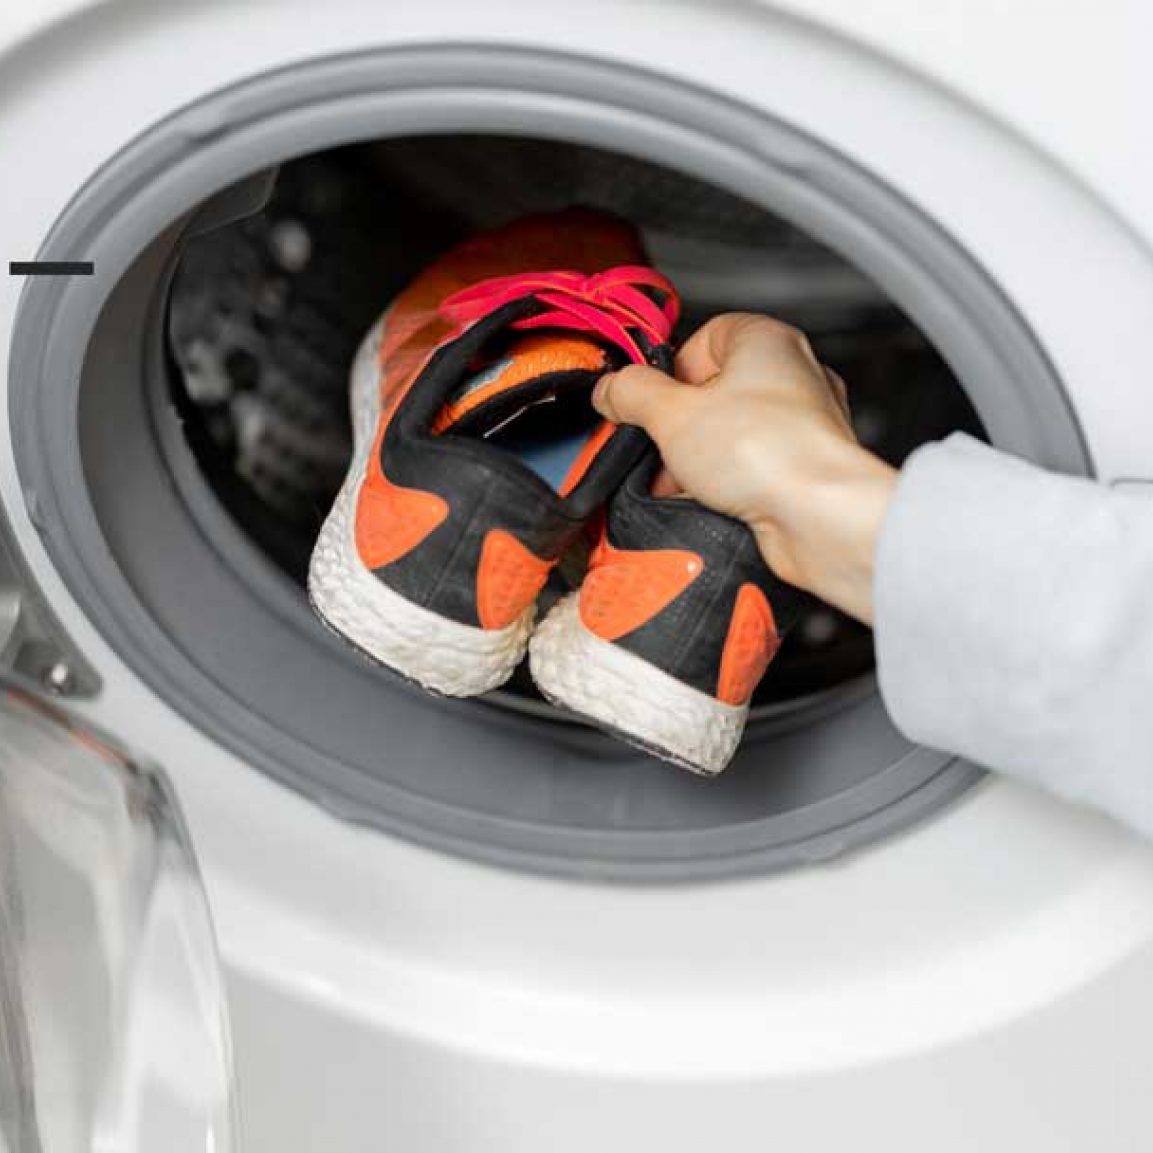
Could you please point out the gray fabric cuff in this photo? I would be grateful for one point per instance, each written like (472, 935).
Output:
(964, 562)
(935, 589)
(1013, 624)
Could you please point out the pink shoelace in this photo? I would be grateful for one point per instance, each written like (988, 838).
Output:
(608, 303)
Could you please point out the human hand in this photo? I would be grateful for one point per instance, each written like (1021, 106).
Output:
(755, 427)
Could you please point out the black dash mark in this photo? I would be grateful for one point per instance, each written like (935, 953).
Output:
(51, 268)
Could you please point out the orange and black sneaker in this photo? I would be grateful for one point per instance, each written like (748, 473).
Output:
(671, 631)
(478, 457)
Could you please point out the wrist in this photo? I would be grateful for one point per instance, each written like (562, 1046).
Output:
(821, 534)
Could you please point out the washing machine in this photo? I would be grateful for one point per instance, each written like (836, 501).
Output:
(468, 926)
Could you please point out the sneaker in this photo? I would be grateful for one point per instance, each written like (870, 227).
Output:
(671, 631)
(478, 457)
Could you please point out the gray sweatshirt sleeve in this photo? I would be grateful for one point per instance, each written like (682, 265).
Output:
(1014, 623)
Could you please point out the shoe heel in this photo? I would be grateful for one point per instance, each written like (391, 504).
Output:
(629, 697)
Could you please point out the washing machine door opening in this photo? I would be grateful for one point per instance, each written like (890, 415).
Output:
(265, 314)
(186, 474)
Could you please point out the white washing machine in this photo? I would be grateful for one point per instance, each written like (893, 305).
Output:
(477, 926)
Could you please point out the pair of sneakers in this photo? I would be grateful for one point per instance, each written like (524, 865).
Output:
(479, 463)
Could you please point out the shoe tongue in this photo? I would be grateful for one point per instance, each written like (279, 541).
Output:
(532, 370)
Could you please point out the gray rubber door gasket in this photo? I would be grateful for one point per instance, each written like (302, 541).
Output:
(205, 620)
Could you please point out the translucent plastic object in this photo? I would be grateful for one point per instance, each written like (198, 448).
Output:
(113, 1031)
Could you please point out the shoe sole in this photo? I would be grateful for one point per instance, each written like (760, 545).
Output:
(629, 697)
(445, 656)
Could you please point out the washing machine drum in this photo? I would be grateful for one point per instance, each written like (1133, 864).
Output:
(215, 375)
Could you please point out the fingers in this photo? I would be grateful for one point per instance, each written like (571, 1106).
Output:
(706, 351)
(741, 354)
(839, 390)
(740, 335)
(637, 395)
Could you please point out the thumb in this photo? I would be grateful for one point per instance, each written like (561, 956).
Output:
(637, 394)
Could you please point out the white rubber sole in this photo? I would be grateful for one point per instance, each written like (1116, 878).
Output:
(634, 700)
(445, 656)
